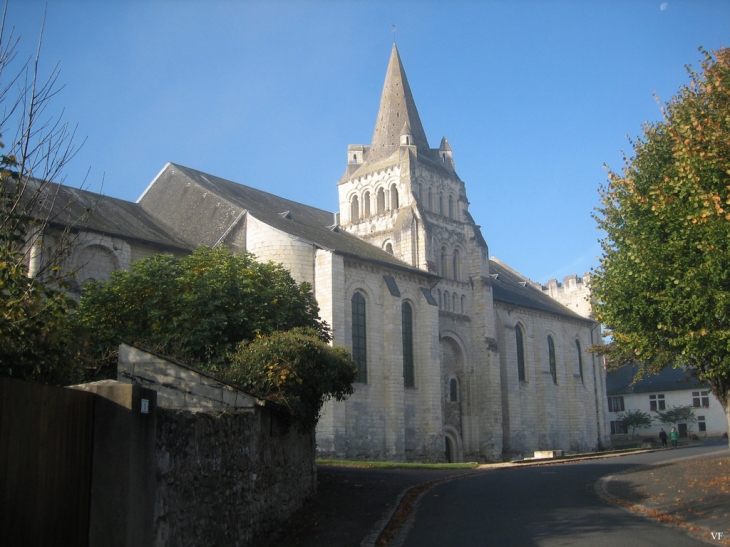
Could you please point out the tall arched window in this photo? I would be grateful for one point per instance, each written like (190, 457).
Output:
(462, 303)
(389, 247)
(359, 337)
(393, 197)
(580, 360)
(451, 206)
(354, 210)
(381, 201)
(456, 265)
(447, 300)
(453, 391)
(453, 303)
(430, 199)
(441, 203)
(551, 357)
(519, 335)
(407, 327)
(443, 261)
(366, 205)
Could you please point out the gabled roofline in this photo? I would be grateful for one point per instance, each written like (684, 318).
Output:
(154, 180)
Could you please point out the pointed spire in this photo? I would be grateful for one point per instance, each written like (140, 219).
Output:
(397, 108)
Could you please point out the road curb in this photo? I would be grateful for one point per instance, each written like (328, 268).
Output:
(392, 532)
(695, 531)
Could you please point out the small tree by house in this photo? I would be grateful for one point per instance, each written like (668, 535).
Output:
(635, 419)
(677, 415)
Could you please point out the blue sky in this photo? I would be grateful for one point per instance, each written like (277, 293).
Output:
(534, 97)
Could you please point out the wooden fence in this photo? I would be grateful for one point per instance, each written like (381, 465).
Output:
(46, 437)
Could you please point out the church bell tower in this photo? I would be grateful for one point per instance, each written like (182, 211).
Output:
(405, 197)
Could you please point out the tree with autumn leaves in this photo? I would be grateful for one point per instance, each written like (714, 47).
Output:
(663, 284)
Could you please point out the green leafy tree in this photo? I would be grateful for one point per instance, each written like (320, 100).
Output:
(633, 419)
(35, 336)
(197, 308)
(676, 415)
(663, 283)
(295, 368)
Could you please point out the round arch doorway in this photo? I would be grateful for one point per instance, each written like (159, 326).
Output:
(453, 448)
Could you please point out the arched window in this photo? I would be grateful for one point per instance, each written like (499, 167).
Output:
(580, 360)
(366, 205)
(407, 327)
(551, 357)
(441, 203)
(381, 201)
(359, 337)
(443, 261)
(453, 303)
(447, 300)
(354, 210)
(393, 197)
(389, 247)
(354, 158)
(430, 199)
(453, 391)
(520, 337)
(456, 263)
(463, 297)
(451, 207)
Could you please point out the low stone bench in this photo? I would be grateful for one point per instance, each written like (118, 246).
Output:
(547, 454)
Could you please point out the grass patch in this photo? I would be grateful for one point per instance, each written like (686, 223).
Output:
(398, 465)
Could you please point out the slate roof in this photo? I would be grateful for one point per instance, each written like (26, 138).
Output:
(303, 221)
(510, 287)
(618, 382)
(66, 206)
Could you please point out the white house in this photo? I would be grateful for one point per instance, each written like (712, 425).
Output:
(669, 388)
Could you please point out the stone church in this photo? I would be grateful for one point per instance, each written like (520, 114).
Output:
(459, 357)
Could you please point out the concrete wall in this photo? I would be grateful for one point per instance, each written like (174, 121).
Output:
(177, 385)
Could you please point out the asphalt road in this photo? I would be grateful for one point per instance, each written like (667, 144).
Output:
(546, 506)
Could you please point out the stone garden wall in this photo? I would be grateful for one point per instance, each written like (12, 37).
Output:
(228, 478)
(230, 468)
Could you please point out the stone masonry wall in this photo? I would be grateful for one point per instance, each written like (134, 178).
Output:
(228, 478)
(383, 419)
(574, 293)
(267, 243)
(230, 470)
